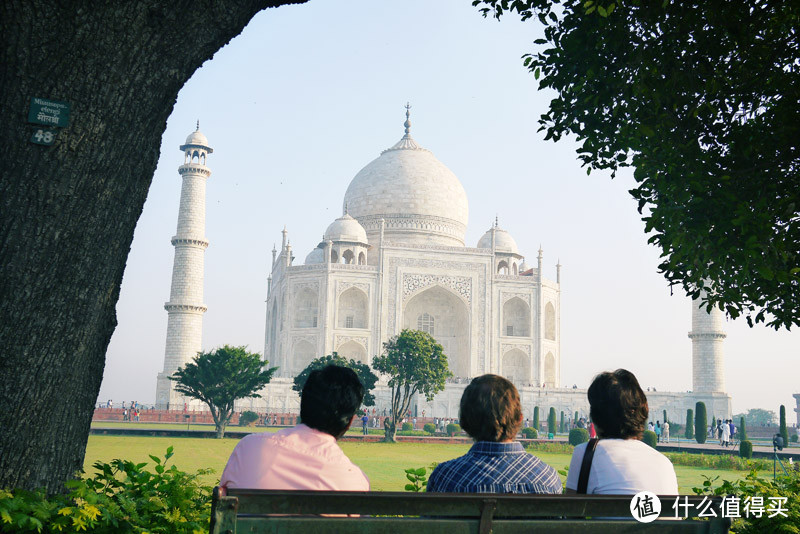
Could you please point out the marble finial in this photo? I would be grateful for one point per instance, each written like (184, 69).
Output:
(407, 124)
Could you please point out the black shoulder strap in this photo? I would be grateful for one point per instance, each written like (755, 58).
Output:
(586, 466)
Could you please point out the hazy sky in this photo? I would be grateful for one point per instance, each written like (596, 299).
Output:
(308, 95)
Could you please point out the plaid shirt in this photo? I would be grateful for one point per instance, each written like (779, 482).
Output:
(491, 467)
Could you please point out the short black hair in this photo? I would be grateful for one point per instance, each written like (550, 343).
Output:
(617, 405)
(490, 409)
(330, 398)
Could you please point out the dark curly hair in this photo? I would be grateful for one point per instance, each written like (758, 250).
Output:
(490, 409)
(618, 406)
(330, 399)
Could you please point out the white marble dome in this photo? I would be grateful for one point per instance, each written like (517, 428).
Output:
(197, 138)
(503, 242)
(315, 256)
(346, 228)
(419, 199)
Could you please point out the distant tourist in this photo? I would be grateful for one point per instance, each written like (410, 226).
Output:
(618, 462)
(665, 432)
(726, 434)
(491, 414)
(658, 431)
(364, 424)
(305, 457)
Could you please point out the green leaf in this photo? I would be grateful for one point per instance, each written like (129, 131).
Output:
(602, 11)
(420, 472)
(156, 459)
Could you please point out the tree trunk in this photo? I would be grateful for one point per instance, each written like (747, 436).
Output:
(68, 211)
(389, 431)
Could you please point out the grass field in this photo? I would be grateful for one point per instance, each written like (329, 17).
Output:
(384, 463)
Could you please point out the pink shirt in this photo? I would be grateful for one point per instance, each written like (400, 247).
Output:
(298, 458)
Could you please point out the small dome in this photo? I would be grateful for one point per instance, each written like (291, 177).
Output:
(315, 256)
(524, 266)
(503, 242)
(346, 228)
(197, 138)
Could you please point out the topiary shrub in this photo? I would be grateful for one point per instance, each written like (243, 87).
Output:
(742, 429)
(650, 438)
(453, 429)
(746, 449)
(248, 418)
(700, 422)
(407, 427)
(794, 438)
(530, 433)
(782, 430)
(551, 421)
(430, 428)
(536, 418)
(689, 430)
(578, 436)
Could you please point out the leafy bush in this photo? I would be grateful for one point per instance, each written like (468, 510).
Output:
(783, 487)
(718, 461)
(700, 422)
(578, 436)
(122, 497)
(794, 438)
(453, 429)
(430, 428)
(530, 433)
(418, 477)
(408, 426)
(650, 438)
(247, 418)
(412, 433)
(551, 421)
(746, 449)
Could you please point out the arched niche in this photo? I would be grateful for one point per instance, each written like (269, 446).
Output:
(353, 351)
(334, 257)
(348, 257)
(550, 370)
(305, 309)
(302, 354)
(516, 318)
(516, 367)
(451, 324)
(549, 321)
(362, 258)
(502, 267)
(352, 309)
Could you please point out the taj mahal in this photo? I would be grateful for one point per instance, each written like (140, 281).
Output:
(397, 259)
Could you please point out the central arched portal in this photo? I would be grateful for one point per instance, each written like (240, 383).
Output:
(446, 317)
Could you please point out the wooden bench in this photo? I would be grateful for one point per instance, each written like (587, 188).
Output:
(265, 511)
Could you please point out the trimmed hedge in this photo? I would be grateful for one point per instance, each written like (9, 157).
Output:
(650, 438)
(746, 449)
(700, 422)
(578, 436)
(530, 433)
(247, 418)
(453, 429)
(408, 426)
(430, 428)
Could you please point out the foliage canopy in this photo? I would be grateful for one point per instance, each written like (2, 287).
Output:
(415, 363)
(220, 377)
(702, 98)
(365, 375)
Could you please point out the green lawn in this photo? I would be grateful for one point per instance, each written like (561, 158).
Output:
(383, 463)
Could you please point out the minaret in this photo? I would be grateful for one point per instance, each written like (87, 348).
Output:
(185, 307)
(708, 369)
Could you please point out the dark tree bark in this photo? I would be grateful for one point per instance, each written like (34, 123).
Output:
(68, 211)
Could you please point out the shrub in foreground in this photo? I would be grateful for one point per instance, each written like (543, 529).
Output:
(121, 497)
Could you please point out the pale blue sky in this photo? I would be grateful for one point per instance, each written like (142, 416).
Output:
(307, 95)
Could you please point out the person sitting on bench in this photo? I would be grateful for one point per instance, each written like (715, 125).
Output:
(619, 463)
(307, 456)
(491, 414)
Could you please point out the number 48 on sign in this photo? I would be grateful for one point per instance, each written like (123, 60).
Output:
(44, 136)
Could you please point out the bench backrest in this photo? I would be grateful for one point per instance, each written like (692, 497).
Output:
(266, 511)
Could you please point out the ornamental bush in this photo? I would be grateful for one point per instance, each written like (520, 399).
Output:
(453, 429)
(551, 421)
(430, 428)
(689, 430)
(746, 449)
(578, 436)
(407, 427)
(247, 418)
(650, 438)
(530, 433)
(121, 497)
(700, 422)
